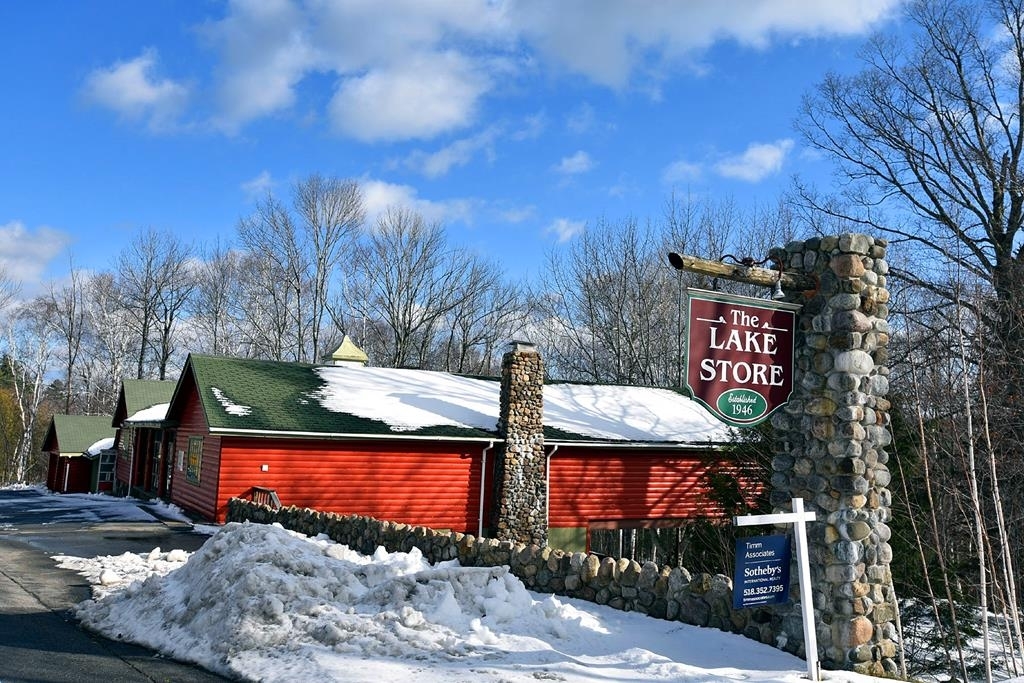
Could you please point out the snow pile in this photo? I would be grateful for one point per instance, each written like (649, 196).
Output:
(113, 573)
(262, 603)
(254, 591)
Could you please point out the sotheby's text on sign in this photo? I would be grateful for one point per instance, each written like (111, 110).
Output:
(739, 355)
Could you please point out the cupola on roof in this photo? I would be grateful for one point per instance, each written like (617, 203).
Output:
(349, 353)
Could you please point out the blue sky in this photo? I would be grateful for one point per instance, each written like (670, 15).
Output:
(516, 124)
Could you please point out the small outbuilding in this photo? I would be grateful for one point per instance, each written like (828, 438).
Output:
(434, 449)
(79, 451)
(144, 440)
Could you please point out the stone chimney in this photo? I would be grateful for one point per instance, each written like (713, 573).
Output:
(520, 468)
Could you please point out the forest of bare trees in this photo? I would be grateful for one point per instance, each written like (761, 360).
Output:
(305, 269)
(926, 143)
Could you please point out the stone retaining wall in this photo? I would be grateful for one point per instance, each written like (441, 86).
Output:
(666, 593)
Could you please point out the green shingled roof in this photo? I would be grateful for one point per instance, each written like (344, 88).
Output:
(291, 399)
(249, 395)
(74, 434)
(140, 394)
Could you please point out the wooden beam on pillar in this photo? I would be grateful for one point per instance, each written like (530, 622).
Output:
(737, 272)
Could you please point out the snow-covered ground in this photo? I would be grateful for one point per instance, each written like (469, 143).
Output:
(262, 603)
(89, 507)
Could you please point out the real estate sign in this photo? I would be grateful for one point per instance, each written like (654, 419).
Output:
(762, 571)
(739, 355)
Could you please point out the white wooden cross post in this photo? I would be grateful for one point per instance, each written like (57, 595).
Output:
(797, 518)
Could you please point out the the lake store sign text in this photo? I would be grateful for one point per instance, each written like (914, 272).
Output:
(739, 355)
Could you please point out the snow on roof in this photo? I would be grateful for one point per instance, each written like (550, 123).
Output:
(101, 445)
(230, 406)
(407, 400)
(629, 413)
(151, 414)
(415, 399)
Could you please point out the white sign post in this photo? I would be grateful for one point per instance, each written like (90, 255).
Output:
(798, 519)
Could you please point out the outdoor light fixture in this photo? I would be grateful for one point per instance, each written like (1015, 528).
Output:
(777, 293)
(676, 260)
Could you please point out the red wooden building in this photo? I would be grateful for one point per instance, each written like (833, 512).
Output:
(419, 447)
(75, 446)
(144, 439)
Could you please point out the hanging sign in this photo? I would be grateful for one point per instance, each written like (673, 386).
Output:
(762, 571)
(739, 355)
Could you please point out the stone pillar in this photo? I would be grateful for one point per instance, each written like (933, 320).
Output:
(520, 470)
(830, 451)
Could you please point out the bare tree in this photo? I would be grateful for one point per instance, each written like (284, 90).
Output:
(111, 340)
(407, 278)
(488, 313)
(210, 310)
(303, 246)
(28, 360)
(65, 306)
(154, 282)
(9, 288)
(611, 309)
(331, 212)
(928, 144)
(608, 296)
(265, 307)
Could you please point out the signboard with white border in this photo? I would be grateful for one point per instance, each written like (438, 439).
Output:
(762, 571)
(739, 355)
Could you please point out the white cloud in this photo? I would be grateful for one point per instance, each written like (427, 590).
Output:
(131, 89)
(458, 153)
(265, 52)
(25, 253)
(517, 214)
(419, 98)
(611, 42)
(258, 186)
(759, 161)
(565, 229)
(680, 171)
(379, 196)
(407, 69)
(578, 163)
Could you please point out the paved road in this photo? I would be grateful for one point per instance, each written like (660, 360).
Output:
(40, 641)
